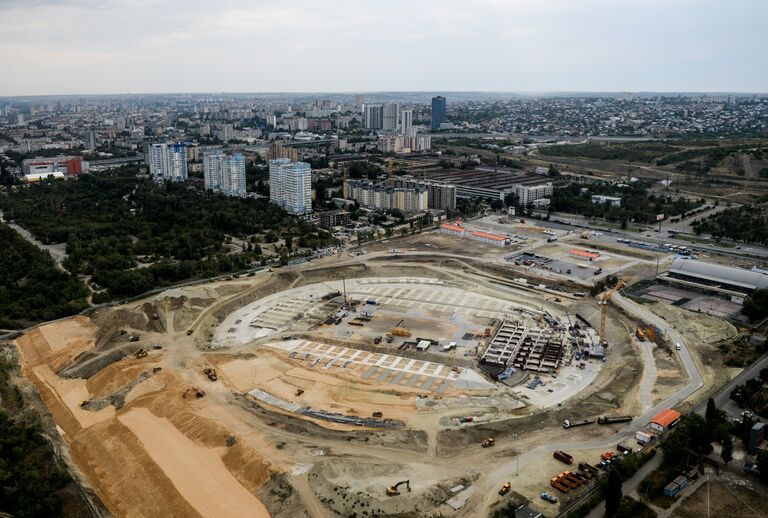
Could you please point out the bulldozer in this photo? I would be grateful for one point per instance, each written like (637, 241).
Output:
(198, 393)
(392, 490)
(141, 353)
(505, 488)
(299, 391)
(490, 441)
(211, 373)
(378, 414)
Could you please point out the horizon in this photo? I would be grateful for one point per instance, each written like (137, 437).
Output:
(65, 47)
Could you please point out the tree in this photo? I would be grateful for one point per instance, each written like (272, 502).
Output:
(712, 414)
(613, 494)
(756, 305)
(762, 466)
(727, 452)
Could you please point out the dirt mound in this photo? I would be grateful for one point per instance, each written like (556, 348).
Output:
(58, 343)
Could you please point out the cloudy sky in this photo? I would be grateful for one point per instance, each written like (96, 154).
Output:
(119, 46)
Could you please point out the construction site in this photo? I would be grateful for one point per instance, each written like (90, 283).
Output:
(406, 382)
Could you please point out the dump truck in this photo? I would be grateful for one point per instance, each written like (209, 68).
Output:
(557, 484)
(194, 391)
(563, 457)
(211, 373)
(505, 488)
(570, 478)
(490, 441)
(581, 422)
(377, 340)
(189, 332)
(389, 338)
(299, 391)
(614, 419)
(588, 468)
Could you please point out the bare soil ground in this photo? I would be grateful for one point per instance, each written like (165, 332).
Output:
(723, 499)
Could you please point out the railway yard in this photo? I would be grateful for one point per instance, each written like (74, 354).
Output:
(415, 379)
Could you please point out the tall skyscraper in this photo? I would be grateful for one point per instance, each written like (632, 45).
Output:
(167, 161)
(373, 116)
(90, 140)
(390, 112)
(438, 111)
(406, 122)
(224, 173)
(290, 185)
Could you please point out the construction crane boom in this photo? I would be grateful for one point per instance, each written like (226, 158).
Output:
(607, 296)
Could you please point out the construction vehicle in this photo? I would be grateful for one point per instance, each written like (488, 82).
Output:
(614, 419)
(505, 488)
(193, 391)
(134, 338)
(572, 424)
(389, 338)
(624, 448)
(640, 334)
(608, 455)
(211, 373)
(377, 340)
(141, 353)
(401, 331)
(557, 483)
(466, 419)
(563, 457)
(299, 391)
(490, 441)
(392, 490)
(604, 306)
(588, 468)
(83, 403)
(378, 414)
(570, 479)
(189, 332)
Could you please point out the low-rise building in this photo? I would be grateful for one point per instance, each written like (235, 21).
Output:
(601, 199)
(333, 218)
(665, 420)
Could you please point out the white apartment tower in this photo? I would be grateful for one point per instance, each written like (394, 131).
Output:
(167, 161)
(390, 115)
(406, 123)
(290, 185)
(224, 173)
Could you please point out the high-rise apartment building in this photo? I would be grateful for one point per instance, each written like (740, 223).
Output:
(440, 196)
(278, 150)
(167, 161)
(390, 112)
(373, 116)
(90, 140)
(290, 185)
(384, 197)
(438, 111)
(224, 173)
(406, 123)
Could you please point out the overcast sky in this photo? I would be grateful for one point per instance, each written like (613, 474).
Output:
(138, 46)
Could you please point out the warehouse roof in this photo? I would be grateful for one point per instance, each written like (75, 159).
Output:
(488, 235)
(452, 228)
(717, 273)
(666, 417)
(584, 254)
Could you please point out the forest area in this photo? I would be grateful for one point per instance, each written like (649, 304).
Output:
(637, 204)
(130, 235)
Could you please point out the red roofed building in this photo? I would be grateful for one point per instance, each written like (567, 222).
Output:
(491, 239)
(583, 254)
(665, 420)
(455, 229)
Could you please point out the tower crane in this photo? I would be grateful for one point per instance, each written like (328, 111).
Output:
(390, 168)
(607, 296)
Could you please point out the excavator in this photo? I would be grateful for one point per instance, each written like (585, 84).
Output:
(392, 490)
(490, 441)
(141, 353)
(505, 488)
(198, 393)
(211, 373)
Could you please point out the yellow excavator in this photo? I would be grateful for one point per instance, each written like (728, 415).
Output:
(505, 488)
(490, 441)
(392, 490)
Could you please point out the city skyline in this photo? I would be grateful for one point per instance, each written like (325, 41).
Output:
(546, 46)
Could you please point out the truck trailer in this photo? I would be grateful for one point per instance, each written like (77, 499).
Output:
(614, 419)
(563, 457)
(581, 422)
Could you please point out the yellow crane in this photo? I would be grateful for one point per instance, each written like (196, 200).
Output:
(607, 296)
(390, 168)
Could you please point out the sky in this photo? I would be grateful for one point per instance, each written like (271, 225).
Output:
(52, 47)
